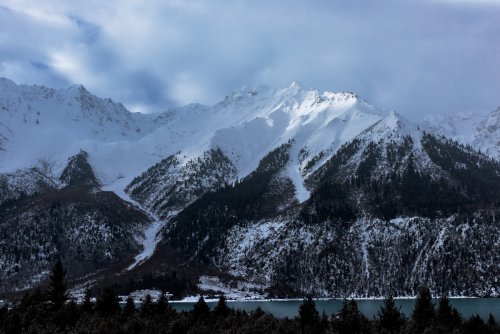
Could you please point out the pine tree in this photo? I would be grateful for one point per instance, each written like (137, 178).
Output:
(221, 309)
(323, 322)
(200, 308)
(350, 320)
(447, 317)
(129, 308)
(474, 325)
(492, 325)
(423, 313)
(147, 307)
(162, 305)
(108, 303)
(390, 318)
(57, 292)
(308, 316)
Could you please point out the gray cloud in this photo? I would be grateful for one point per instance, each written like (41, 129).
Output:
(415, 57)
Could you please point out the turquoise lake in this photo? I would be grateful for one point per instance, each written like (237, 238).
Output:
(369, 307)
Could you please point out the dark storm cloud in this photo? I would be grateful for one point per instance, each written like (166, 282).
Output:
(416, 57)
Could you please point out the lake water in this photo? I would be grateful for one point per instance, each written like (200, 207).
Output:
(369, 307)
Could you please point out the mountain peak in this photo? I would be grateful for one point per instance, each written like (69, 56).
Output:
(7, 85)
(5, 81)
(393, 120)
(78, 90)
(78, 171)
(294, 87)
(391, 126)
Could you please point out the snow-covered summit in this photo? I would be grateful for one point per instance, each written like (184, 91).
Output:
(38, 122)
(393, 126)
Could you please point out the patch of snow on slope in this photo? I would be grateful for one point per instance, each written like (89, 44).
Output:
(151, 234)
(241, 291)
(301, 192)
(149, 243)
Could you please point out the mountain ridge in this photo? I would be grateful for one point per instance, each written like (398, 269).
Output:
(263, 165)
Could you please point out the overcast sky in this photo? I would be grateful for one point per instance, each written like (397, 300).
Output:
(416, 57)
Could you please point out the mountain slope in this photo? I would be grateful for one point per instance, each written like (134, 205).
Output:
(368, 257)
(172, 184)
(89, 231)
(70, 219)
(201, 226)
(27, 181)
(393, 195)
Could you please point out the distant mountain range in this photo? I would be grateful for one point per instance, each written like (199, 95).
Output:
(289, 190)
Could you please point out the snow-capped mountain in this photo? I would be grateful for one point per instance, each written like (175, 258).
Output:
(460, 126)
(249, 123)
(487, 136)
(227, 184)
(392, 187)
(482, 133)
(39, 123)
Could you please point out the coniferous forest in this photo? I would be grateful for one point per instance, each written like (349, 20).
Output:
(52, 311)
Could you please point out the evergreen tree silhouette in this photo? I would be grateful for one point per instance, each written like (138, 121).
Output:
(350, 320)
(423, 313)
(129, 308)
(474, 325)
(57, 292)
(200, 309)
(390, 318)
(308, 316)
(221, 309)
(108, 303)
(447, 317)
(162, 304)
(492, 324)
(147, 307)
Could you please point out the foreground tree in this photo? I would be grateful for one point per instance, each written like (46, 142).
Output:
(447, 317)
(423, 313)
(390, 318)
(57, 293)
(200, 309)
(475, 325)
(349, 320)
(221, 309)
(107, 303)
(308, 316)
(162, 306)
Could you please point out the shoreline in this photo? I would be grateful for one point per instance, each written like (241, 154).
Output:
(194, 299)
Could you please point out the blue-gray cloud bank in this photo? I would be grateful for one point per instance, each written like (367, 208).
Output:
(416, 57)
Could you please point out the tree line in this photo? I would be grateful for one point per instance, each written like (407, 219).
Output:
(52, 311)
